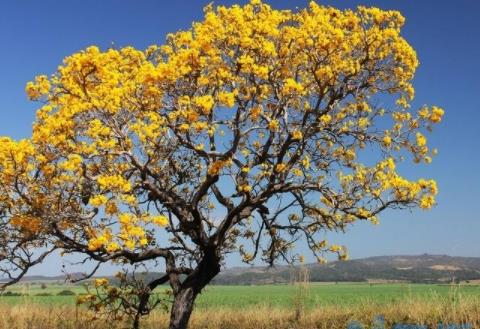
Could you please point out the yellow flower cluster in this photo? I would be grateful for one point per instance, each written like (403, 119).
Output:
(114, 183)
(17, 176)
(297, 135)
(101, 282)
(110, 116)
(98, 241)
(292, 86)
(73, 162)
(27, 222)
(132, 233)
(110, 207)
(255, 113)
(204, 103)
(38, 88)
(280, 167)
(217, 166)
(227, 99)
(273, 125)
(244, 188)
(421, 140)
(160, 220)
(382, 179)
(435, 114)
(98, 200)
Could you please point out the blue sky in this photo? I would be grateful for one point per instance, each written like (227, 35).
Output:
(36, 36)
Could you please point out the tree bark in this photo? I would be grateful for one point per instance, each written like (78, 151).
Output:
(182, 308)
(189, 289)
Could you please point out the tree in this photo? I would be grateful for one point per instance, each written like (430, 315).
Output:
(243, 134)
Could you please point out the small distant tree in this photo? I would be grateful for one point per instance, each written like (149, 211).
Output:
(43, 286)
(253, 130)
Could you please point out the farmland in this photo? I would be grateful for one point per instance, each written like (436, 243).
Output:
(314, 305)
(278, 296)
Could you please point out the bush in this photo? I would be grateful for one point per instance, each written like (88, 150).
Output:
(66, 293)
(12, 294)
(43, 294)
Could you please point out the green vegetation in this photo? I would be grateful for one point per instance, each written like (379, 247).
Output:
(281, 306)
(268, 295)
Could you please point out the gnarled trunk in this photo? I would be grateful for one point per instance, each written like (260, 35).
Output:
(189, 289)
(182, 308)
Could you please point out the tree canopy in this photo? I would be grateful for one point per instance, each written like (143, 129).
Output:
(253, 130)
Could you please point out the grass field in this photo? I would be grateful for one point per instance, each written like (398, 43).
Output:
(301, 306)
(314, 294)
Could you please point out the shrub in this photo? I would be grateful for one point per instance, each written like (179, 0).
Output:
(43, 294)
(66, 293)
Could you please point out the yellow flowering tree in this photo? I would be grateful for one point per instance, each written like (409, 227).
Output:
(242, 134)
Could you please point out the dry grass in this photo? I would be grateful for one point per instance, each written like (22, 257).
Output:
(454, 309)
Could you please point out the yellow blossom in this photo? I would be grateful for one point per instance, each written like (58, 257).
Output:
(114, 182)
(280, 167)
(297, 135)
(111, 208)
(98, 200)
(273, 125)
(421, 140)
(205, 103)
(335, 248)
(297, 172)
(255, 112)
(40, 87)
(112, 247)
(325, 119)
(387, 141)
(292, 86)
(227, 99)
(101, 282)
(437, 114)
(244, 188)
(159, 220)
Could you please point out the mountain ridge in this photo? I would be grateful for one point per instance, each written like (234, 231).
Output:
(424, 268)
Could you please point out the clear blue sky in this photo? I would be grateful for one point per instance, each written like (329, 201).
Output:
(36, 35)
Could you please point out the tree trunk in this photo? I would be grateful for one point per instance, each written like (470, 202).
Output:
(185, 296)
(182, 308)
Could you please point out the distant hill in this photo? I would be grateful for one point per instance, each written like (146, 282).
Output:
(416, 269)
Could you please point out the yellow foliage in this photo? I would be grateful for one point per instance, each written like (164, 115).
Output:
(245, 94)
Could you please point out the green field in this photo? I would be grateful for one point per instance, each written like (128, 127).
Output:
(314, 294)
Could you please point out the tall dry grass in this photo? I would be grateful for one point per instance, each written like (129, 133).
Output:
(431, 311)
